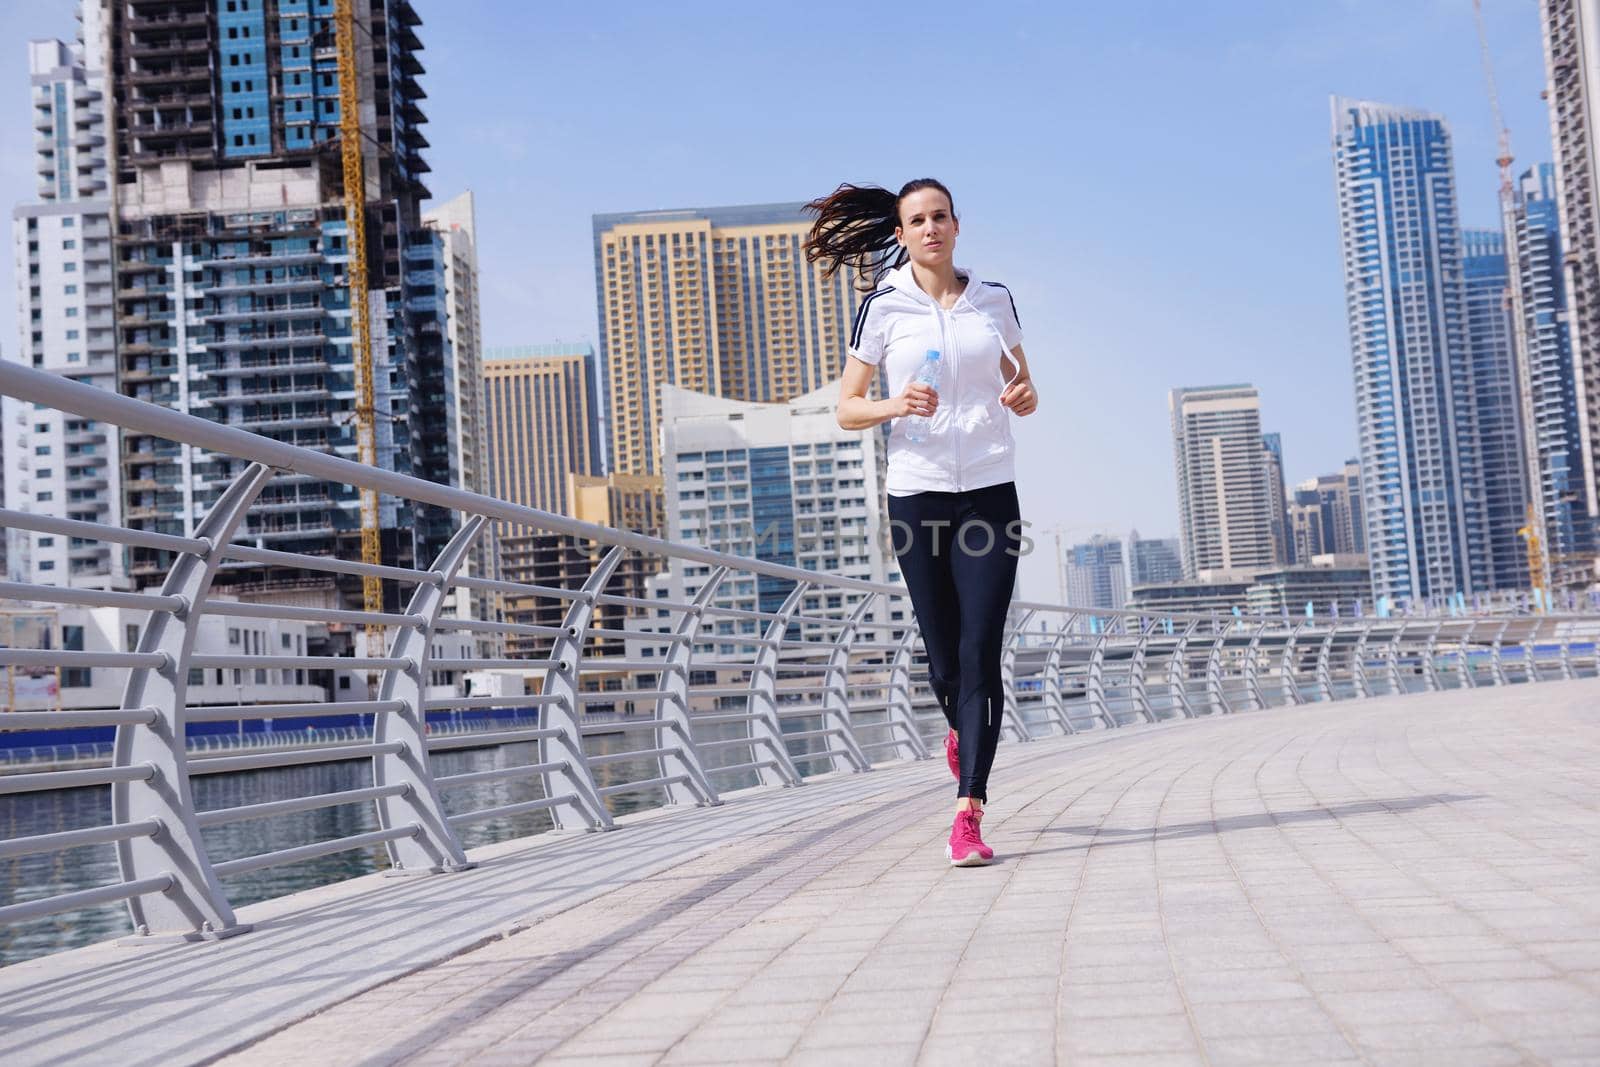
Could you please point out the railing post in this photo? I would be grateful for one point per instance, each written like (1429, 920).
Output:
(1530, 651)
(1178, 669)
(1325, 666)
(673, 709)
(1430, 668)
(1011, 717)
(1094, 686)
(1136, 667)
(1469, 678)
(1496, 663)
(1288, 679)
(1055, 704)
(1216, 696)
(767, 729)
(574, 777)
(1358, 662)
(1252, 681)
(436, 847)
(195, 906)
(836, 694)
(901, 718)
(1565, 646)
(1393, 656)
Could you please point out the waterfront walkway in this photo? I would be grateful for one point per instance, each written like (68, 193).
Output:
(1393, 881)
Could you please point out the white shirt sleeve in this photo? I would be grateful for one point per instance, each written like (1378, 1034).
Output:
(1005, 315)
(866, 334)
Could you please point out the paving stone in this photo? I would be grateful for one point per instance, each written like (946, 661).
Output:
(1127, 1034)
(1279, 1049)
(1262, 1018)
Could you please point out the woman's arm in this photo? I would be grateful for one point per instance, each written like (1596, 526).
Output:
(857, 412)
(1020, 396)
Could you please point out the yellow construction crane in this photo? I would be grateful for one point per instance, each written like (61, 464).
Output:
(1536, 557)
(355, 208)
(1534, 529)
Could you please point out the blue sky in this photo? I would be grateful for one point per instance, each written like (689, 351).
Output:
(1153, 181)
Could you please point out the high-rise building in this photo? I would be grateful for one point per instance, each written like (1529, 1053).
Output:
(1278, 499)
(539, 422)
(1224, 506)
(455, 221)
(1572, 65)
(1496, 417)
(1152, 560)
(62, 465)
(1097, 575)
(1421, 475)
(719, 301)
(776, 482)
(1554, 434)
(538, 413)
(620, 501)
(543, 453)
(1349, 515)
(231, 270)
(1325, 515)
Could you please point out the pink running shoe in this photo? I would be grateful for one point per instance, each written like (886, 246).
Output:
(952, 754)
(966, 847)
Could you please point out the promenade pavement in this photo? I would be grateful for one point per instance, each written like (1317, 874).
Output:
(1411, 880)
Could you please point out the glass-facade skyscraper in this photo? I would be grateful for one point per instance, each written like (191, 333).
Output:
(1152, 560)
(1097, 574)
(1421, 472)
(1495, 416)
(1278, 499)
(1555, 436)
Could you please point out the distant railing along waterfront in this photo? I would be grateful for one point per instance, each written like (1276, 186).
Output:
(806, 690)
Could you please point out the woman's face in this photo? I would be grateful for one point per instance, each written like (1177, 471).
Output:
(928, 228)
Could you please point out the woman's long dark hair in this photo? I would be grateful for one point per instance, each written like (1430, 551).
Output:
(855, 227)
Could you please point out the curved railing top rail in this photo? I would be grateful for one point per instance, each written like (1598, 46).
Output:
(92, 402)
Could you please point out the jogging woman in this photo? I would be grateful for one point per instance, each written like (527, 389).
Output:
(952, 502)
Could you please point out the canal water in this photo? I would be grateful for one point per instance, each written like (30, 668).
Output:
(32, 877)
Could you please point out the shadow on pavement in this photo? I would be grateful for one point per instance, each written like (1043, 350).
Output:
(1257, 821)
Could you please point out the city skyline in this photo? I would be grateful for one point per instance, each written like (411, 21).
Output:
(1219, 325)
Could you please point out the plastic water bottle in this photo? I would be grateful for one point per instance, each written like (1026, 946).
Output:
(928, 374)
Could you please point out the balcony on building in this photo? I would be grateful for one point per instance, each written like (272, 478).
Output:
(164, 44)
(283, 340)
(262, 259)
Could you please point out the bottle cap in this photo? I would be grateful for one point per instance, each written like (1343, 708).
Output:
(933, 353)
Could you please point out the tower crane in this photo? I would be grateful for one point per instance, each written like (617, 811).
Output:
(1533, 532)
(355, 208)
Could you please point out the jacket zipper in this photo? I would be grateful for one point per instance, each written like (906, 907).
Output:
(949, 339)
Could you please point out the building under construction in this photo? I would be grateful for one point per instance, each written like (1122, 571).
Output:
(232, 269)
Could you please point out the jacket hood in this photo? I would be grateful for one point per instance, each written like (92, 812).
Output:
(902, 280)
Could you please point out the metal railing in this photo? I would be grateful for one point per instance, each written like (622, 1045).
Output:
(801, 689)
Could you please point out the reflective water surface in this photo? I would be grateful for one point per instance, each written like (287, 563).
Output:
(32, 877)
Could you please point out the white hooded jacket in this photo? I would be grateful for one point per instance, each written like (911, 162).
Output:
(969, 444)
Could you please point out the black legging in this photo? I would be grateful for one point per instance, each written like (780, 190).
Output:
(958, 553)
